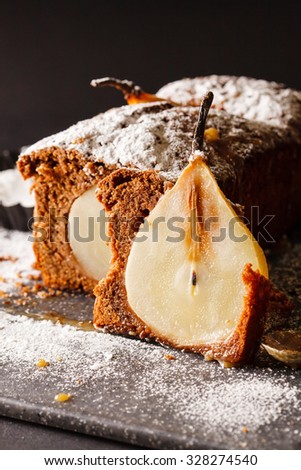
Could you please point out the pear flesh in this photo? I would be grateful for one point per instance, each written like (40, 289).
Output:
(184, 273)
(87, 235)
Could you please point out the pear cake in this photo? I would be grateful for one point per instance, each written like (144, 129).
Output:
(121, 169)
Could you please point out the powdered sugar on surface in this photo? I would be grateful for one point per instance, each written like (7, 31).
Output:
(125, 384)
(20, 195)
(17, 248)
(194, 394)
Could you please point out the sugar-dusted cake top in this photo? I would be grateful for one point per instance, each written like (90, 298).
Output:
(159, 136)
(258, 100)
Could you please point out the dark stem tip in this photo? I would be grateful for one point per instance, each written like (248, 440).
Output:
(198, 138)
(126, 86)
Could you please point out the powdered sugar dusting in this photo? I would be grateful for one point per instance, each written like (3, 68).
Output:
(144, 136)
(260, 402)
(114, 379)
(74, 352)
(17, 249)
(200, 395)
(159, 137)
(21, 195)
(258, 100)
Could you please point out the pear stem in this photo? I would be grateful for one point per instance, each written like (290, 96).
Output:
(198, 138)
(125, 86)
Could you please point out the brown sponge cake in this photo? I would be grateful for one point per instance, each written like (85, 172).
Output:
(59, 177)
(134, 193)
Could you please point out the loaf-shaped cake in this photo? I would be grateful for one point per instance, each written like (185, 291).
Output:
(121, 164)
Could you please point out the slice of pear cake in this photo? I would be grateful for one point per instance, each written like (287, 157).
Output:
(189, 274)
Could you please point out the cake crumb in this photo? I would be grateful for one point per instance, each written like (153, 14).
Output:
(8, 258)
(34, 277)
(169, 357)
(80, 140)
(62, 397)
(42, 363)
(245, 429)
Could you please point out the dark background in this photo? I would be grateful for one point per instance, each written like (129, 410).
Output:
(50, 50)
